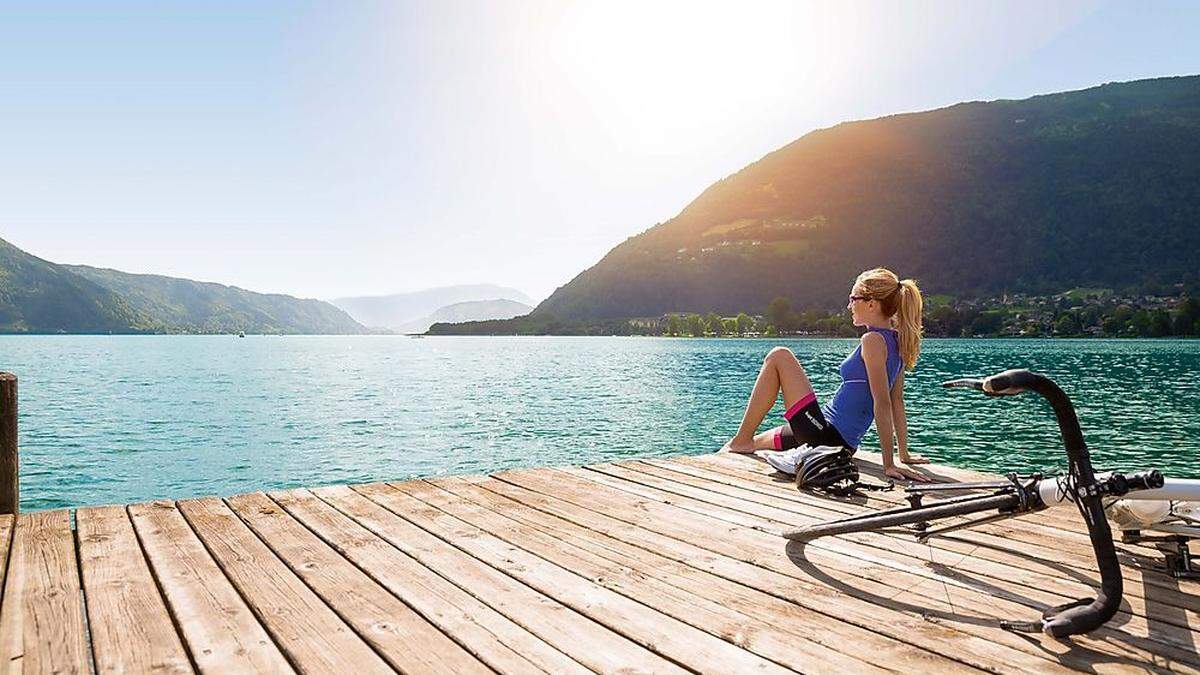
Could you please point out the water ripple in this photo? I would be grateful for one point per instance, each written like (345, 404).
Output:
(118, 419)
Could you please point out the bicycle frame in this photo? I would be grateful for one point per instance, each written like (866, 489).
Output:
(1019, 495)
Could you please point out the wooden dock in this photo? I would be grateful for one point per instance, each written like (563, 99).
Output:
(640, 566)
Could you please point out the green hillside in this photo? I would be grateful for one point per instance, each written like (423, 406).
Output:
(37, 296)
(1092, 188)
(183, 305)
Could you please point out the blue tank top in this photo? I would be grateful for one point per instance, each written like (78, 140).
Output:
(853, 408)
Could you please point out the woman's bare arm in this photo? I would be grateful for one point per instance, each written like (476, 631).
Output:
(874, 354)
(900, 422)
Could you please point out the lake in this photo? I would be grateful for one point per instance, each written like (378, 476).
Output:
(107, 419)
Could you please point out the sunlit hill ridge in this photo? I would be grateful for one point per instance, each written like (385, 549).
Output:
(1098, 187)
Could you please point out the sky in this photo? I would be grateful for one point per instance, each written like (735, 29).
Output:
(330, 149)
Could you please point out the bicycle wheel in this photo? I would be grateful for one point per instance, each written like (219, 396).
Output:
(866, 523)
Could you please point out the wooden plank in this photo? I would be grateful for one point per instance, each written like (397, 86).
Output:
(858, 589)
(1060, 524)
(305, 628)
(130, 628)
(1164, 613)
(632, 524)
(696, 610)
(984, 555)
(936, 587)
(996, 541)
(41, 623)
(899, 552)
(673, 639)
(1075, 551)
(492, 637)
(400, 635)
(578, 636)
(219, 629)
(812, 636)
(7, 521)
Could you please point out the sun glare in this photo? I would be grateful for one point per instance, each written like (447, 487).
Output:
(669, 67)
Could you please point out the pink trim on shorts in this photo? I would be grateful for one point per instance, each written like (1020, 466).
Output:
(799, 405)
(778, 440)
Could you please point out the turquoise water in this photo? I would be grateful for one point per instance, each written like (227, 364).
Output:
(120, 419)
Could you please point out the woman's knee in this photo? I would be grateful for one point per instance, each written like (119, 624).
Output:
(780, 354)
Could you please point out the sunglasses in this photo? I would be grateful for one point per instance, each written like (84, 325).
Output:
(856, 298)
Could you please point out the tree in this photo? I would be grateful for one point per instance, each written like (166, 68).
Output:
(1141, 323)
(1187, 316)
(1160, 323)
(744, 323)
(715, 325)
(987, 323)
(674, 325)
(944, 320)
(1113, 325)
(1067, 324)
(695, 325)
(779, 313)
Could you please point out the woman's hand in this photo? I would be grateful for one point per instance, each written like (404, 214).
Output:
(912, 459)
(899, 473)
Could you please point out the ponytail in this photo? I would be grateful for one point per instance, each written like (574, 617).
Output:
(909, 323)
(901, 302)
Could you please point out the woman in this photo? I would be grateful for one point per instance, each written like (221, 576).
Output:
(872, 381)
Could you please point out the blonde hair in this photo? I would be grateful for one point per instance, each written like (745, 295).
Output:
(901, 302)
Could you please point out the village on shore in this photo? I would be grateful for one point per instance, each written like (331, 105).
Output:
(1081, 312)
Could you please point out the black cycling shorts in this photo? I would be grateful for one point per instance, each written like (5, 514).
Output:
(806, 424)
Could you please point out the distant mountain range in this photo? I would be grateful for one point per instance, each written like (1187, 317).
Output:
(38, 296)
(400, 311)
(1099, 187)
(472, 310)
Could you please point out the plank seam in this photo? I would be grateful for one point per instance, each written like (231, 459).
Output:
(12, 533)
(754, 494)
(466, 589)
(236, 589)
(597, 475)
(83, 602)
(672, 561)
(615, 631)
(769, 591)
(349, 624)
(622, 632)
(586, 553)
(162, 593)
(469, 649)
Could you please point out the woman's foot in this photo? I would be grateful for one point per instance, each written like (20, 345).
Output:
(738, 446)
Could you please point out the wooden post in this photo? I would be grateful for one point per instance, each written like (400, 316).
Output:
(9, 492)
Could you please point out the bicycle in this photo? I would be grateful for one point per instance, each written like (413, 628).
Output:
(1018, 495)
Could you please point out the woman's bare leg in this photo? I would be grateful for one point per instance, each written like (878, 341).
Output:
(765, 440)
(780, 371)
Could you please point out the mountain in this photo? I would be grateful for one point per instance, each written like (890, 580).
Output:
(1098, 187)
(182, 305)
(472, 310)
(399, 310)
(38, 296)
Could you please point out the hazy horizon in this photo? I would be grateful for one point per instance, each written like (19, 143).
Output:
(340, 151)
